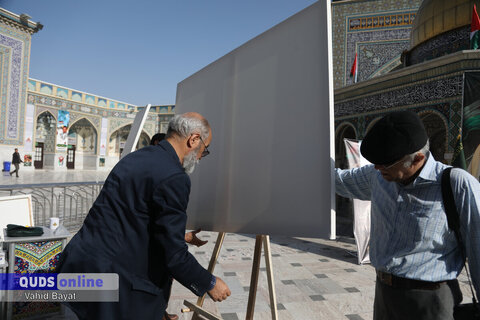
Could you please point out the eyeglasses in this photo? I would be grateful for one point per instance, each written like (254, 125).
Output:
(391, 165)
(205, 151)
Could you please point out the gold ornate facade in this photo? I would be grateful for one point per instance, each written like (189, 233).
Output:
(435, 17)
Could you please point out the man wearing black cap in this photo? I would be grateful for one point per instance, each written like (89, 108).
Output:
(416, 256)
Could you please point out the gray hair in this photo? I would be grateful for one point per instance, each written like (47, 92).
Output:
(410, 157)
(185, 125)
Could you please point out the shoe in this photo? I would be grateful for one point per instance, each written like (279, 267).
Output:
(10, 174)
(167, 316)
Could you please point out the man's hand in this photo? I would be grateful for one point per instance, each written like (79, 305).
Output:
(220, 292)
(191, 237)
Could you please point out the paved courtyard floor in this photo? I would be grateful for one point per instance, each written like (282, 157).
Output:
(314, 278)
(52, 176)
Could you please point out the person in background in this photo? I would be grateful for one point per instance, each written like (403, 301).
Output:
(136, 228)
(16, 160)
(415, 254)
(157, 137)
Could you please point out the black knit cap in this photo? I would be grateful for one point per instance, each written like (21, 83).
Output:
(393, 137)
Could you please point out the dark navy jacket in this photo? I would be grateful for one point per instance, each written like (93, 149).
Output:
(136, 228)
(16, 158)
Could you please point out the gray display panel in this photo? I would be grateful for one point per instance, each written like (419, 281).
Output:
(269, 103)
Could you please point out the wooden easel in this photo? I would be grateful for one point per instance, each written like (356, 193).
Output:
(197, 309)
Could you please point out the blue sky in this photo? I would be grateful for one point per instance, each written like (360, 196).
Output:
(137, 51)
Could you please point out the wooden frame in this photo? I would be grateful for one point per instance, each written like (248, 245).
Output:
(15, 210)
(259, 240)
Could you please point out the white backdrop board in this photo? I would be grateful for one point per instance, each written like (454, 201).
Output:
(15, 210)
(135, 131)
(270, 105)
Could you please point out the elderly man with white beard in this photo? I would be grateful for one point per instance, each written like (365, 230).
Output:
(136, 228)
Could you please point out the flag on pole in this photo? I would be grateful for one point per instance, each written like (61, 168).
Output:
(458, 159)
(354, 70)
(474, 30)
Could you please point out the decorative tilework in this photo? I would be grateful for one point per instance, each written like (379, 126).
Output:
(37, 256)
(4, 62)
(24, 38)
(89, 99)
(62, 93)
(14, 84)
(31, 85)
(375, 64)
(404, 96)
(346, 15)
(38, 99)
(102, 102)
(446, 43)
(95, 121)
(48, 135)
(149, 128)
(115, 124)
(76, 96)
(46, 89)
(375, 48)
(455, 121)
(363, 122)
(380, 21)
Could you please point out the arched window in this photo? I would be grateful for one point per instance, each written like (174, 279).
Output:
(45, 131)
(119, 137)
(84, 136)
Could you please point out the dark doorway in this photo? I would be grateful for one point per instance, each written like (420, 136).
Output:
(38, 157)
(71, 157)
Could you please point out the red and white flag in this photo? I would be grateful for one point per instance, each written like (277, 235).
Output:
(474, 30)
(354, 70)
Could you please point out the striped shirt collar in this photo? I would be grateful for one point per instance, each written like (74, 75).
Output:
(429, 171)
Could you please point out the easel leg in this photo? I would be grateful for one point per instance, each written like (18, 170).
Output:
(254, 280)
(271, 283)
(211, 267)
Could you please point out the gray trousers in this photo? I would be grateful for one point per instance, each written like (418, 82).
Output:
(17, 168)
(412, 304)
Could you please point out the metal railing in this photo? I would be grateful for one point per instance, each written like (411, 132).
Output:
(68, 201)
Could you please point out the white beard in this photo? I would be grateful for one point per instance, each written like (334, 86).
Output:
(190, 161)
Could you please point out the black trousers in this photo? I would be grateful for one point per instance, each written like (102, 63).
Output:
(416, 304)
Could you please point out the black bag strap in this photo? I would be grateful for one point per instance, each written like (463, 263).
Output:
(450, 207)
(453, 219)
